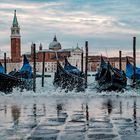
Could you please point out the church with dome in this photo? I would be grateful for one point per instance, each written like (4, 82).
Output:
(52, 54)
(55, 45)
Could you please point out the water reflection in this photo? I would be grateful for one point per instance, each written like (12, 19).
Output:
(59, 108)
(82, 106)
(120, 107)
(90, 117)
(15, 111)
(87, 113)
(5, 109)
(108, 105)
(44, 109)
(135, 116)
(35, 114)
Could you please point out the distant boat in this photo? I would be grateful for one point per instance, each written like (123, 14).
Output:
(110, 78)
(130, 71)
(21, 78)
(69, 77)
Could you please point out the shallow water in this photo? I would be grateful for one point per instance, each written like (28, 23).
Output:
(52, 114)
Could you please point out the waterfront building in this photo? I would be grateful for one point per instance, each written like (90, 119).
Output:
(75, 57)
(94, 62)
(54, 52)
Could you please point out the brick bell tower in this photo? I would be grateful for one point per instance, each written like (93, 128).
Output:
(15, 40)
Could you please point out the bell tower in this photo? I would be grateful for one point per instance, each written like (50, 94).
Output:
(15, 40)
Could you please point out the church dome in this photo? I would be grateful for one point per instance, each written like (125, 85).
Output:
(55, 45)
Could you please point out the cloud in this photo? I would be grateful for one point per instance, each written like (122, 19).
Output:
(106, 24)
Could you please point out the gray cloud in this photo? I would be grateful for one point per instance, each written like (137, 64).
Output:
(105, 24)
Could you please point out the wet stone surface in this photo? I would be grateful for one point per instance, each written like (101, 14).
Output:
(102, 136)
(63, 118)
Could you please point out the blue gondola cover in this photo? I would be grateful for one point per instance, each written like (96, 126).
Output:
(1, 68)
(26, 67)
(71, 69)
(130, 71)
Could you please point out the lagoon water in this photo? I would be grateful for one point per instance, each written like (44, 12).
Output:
(52, 114)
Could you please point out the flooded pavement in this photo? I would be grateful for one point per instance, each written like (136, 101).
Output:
(52, 114)
(69, 118)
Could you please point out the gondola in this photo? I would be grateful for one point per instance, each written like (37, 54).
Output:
(21, 78)
(130, 72)
(109, 78)
(69, 77)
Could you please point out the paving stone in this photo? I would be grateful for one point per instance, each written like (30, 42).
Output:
(76, 136)
(101, 130)
(133, 137)
(102, 136)
(42, 138)
(45, 131)
(103, 120)
(100, 125)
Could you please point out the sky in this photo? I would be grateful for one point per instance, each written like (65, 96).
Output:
(108, 25)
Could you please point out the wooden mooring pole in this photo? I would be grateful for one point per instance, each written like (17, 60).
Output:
(43, 69)
(134, 60)
(5, 65)
(34, 67)
(82, 56)
(86, 63)
(120, 60)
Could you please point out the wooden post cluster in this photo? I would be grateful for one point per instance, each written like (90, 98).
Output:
(120, 60)
(34, 67)
(134, 59)
(5, 65)
(86, 63)
(43, 69)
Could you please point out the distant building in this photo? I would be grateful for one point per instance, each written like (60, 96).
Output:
(94, 62)
(75, 57)
(15, 41)
(52, 54)
(15, 61)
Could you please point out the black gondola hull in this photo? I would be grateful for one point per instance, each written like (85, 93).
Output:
(8, 82)
(110, 79)
(111, 86)
(68, 81)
